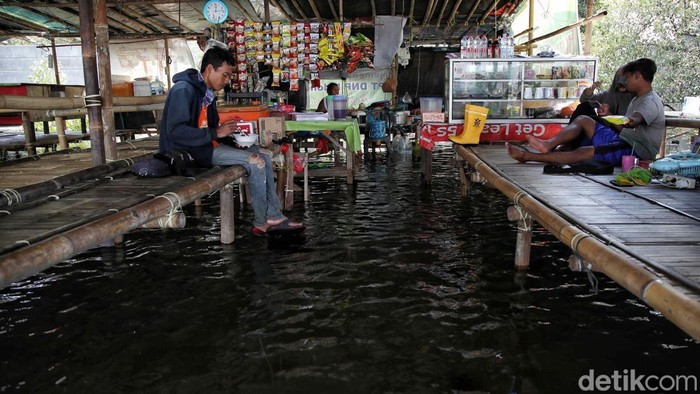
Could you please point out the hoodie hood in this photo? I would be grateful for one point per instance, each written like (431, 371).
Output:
(194, 78)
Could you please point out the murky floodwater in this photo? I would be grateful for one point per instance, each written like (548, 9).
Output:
(394, 288)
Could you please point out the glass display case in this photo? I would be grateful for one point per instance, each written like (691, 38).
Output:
(516, 88)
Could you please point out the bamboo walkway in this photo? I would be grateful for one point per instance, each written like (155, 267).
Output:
(55, 206)
(646, 238)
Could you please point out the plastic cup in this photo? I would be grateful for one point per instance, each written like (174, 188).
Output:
(628, 162)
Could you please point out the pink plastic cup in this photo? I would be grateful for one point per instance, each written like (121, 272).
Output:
(628, 162)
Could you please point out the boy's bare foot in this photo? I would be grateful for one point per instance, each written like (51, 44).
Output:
(516, 152)
(537, 144)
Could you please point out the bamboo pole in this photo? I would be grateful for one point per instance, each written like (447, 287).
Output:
(9, 103)
(628, 272)
(523, 241)
(167, 64)
(92, 90)
(22, 263)
(565, 28)
(55, 61)
(104, 70)
(530, 25)
(589, 28)
(28, 193)
(61, 131)
(176, 220)
(29, 135)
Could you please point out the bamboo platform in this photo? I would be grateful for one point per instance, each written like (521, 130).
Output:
(53, 207)
(16, 142)
(646, 238)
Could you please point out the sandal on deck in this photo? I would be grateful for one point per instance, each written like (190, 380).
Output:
(286, 227)
(260, 231)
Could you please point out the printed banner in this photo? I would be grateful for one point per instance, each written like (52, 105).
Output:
(431, 133)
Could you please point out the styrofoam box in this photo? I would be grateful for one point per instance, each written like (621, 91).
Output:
(433, 116)
(142, 88)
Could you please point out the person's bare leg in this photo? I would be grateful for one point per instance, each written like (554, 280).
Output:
(582, 124)
(574, 156)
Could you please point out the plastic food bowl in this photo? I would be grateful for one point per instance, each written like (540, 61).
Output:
(246, 140)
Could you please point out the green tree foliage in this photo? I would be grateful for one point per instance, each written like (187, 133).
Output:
(662, 30)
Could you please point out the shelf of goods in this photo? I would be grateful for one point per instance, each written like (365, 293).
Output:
(516, 88)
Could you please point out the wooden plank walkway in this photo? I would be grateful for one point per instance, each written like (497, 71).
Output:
(16, 142)
(654, 225)
(58, 205)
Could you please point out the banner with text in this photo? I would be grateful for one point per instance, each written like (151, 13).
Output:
(431, 133)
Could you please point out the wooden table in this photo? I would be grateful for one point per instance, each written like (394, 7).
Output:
(351, 131)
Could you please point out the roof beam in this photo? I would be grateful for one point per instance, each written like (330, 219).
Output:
(488, 11)
(472, 11)
(301, 12)
(314, 7)
(332, 7)
(442, 12)
(374, 9)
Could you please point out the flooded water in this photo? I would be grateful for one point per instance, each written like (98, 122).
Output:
(394, 289)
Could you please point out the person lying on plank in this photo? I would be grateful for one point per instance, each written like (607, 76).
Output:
(640, 135)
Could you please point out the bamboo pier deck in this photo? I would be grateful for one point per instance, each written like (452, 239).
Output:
(55, 206)
(652, 227)
(16, 142)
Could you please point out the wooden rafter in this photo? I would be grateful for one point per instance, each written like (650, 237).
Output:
(393, 7)
(453, 14)
(164, 16)
(282, 10)
(243, 10)
(22, 22)
(488, 11)
(472, 11)
(149, 21)
(301, 12)
(56, 18)
(332, 7)
(442, 12)
(314, 7)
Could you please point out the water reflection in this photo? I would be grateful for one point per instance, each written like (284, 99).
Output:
(392, 288)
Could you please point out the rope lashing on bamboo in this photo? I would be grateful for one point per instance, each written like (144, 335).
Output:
(174, 208)
(12, 196)
(524, 215)
(7, 212)
(55, 197)
(24, 241)
(576, 240)
(93, 100)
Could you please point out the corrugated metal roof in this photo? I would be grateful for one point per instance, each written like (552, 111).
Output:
(428, 20)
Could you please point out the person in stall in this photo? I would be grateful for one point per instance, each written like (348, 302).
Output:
(641, 135)
(333, 89)
(613, 101)
(191, 124)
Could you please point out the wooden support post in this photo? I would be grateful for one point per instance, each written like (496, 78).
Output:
(104, 70)
(61, 131)
(524, 239)
(464, 180)
(92, 90)
(227, 214)
(288, 201)
(426, 158)
(46, 127)
(29, 135)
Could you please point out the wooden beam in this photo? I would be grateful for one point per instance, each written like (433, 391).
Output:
(283, 11)
(104, 70)
(301, 12)
(472, 11)
(332, 7)
(453, 14)
(442, 12)
(426, 16)
(589, 29)
(374, 9)
(491, 9)
(569, 27)
(314, 7)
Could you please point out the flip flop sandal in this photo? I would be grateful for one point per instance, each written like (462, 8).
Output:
(259, 231)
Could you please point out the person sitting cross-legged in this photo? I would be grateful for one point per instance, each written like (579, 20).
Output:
(641, 135)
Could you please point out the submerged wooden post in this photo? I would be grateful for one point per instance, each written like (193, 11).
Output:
(464, 180)
(524, 239)
(426, 157)
(104, 70)
(61, 131)
(227, 214)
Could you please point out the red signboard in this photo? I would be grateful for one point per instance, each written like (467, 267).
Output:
(431, 133)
